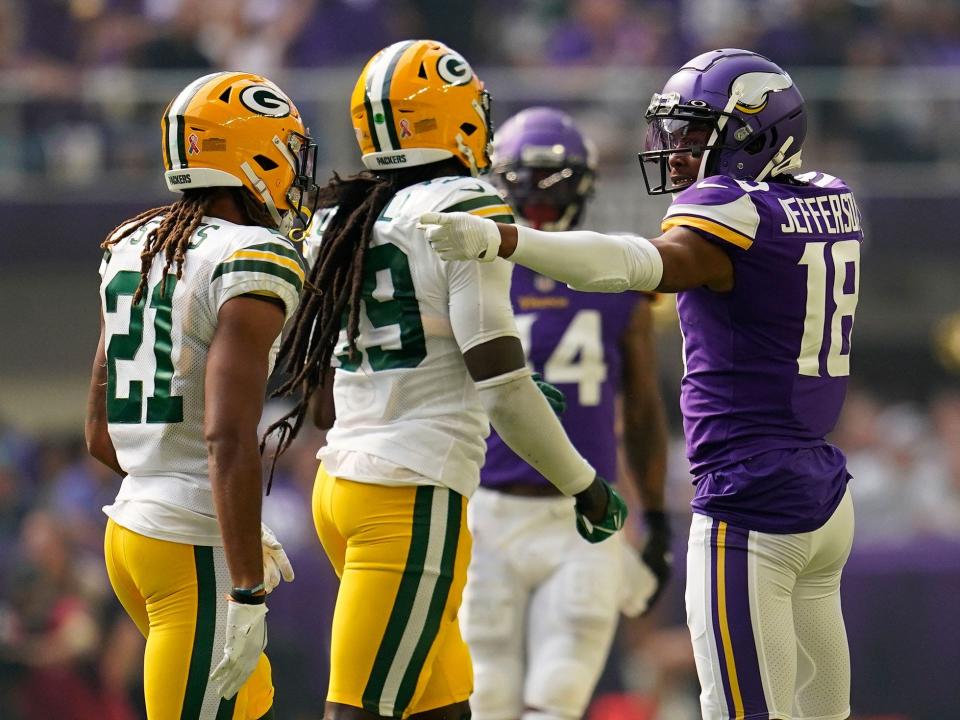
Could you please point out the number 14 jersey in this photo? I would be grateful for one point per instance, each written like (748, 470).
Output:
(766, 364)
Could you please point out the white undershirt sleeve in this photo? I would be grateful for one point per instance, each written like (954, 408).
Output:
(590, 261)
(524, 420)
(480, 311)
(479, 302)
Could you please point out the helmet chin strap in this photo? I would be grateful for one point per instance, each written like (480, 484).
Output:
(285, 151)
(468, 153)
(780, 163)
(261, 187)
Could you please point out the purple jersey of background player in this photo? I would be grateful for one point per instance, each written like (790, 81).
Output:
(557, 325)
(767, 363)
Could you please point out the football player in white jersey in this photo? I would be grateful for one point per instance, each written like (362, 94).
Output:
(538, 641)
(194, 296)
(425, 352)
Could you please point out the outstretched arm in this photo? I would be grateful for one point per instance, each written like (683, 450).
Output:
(680, 259)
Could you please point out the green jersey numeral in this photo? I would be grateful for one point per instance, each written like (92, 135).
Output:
(390, 300)
(162, 407)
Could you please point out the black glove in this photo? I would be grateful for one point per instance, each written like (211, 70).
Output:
(656, 553)
(553, 394)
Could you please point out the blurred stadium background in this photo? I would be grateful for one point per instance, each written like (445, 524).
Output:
(82, 85)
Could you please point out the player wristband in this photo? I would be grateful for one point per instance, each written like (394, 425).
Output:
(249, 596)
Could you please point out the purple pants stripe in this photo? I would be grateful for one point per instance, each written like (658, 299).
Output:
(733, 630)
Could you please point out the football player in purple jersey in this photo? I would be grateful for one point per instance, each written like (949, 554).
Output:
(541, 606)
(766, 264)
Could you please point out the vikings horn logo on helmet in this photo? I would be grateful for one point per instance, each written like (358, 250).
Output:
(751, 90)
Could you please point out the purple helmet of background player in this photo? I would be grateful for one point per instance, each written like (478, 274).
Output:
(744, 113)
(545, 167)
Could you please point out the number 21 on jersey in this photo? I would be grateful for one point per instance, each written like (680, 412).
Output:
(162, 407)
(844, 257)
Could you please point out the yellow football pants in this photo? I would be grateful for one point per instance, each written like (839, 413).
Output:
(175, 594)
(401, 554)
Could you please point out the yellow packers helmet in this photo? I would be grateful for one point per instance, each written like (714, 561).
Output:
(232, 129)
(418, 102)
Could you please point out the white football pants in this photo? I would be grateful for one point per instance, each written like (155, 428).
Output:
(765, 621)
(540, 607)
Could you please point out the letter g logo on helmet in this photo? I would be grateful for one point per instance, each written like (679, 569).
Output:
(265, 100)
(454, 69)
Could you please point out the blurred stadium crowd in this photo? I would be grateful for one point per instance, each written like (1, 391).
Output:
(50, 50)
(66, 649)
(56, 37)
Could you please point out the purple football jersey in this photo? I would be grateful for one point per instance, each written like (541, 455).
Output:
(573, 340)
(766, 364)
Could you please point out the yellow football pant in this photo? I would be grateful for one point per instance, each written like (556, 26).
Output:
(401, 554)
(175, 594)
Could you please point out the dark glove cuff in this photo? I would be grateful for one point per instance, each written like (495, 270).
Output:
(249, 596)
(594, 498)
(657, 521)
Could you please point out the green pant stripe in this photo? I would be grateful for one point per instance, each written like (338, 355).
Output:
(202, 634)
(403, 604)
(437, 603)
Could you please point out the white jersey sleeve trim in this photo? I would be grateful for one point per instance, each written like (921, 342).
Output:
(269, 266)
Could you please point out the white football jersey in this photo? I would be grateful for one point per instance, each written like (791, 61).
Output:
(156, 361)
(407, 409)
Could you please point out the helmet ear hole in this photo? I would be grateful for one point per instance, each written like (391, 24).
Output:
(468, 128)
(422, 72)
(756, 145)
(264, 162)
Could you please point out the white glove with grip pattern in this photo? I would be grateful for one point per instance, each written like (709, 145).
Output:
(246, 637)
(276, 564)
(461, 236)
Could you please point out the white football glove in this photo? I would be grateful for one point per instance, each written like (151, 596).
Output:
(461, 236)
(246, 637)
(276, 564)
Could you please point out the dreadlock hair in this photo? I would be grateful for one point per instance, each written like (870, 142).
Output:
(335, 282)
(180, 221)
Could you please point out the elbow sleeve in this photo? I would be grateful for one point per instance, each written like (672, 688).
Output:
(523, 418)
(590, 261)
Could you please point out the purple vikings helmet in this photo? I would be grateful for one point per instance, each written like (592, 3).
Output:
(545, 167)
(747, 109)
